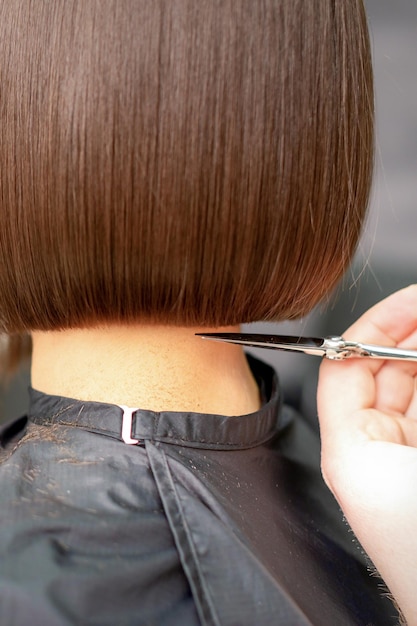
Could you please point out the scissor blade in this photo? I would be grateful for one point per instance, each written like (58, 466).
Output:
(309, 345)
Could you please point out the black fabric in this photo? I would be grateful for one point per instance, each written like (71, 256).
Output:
(213, 520)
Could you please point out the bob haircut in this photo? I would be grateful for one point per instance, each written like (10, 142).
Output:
(186, 162)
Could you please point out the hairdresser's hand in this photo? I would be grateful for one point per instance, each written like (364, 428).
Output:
(368, 421)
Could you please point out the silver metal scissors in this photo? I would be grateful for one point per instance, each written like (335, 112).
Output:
(333, 347)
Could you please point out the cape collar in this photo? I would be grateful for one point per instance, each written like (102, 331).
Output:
(194, 430)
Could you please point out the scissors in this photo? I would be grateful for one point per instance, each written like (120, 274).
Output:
(333, 347)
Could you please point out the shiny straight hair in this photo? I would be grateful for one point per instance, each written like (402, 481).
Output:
(187, 162)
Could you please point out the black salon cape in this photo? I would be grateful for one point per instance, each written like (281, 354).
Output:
(221, 521)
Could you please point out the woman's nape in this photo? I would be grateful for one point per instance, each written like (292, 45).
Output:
(161, 368)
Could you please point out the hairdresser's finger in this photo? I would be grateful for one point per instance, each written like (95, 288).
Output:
(346, 387)
(354, 405)
(395, 391)
(391, 322)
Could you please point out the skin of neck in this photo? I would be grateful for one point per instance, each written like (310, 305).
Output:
(159, 368)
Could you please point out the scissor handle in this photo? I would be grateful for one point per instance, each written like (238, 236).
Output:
(338, 349)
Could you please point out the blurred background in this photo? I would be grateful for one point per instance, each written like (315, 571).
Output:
(387, 256)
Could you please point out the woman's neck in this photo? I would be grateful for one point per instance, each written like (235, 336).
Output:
(150, 367)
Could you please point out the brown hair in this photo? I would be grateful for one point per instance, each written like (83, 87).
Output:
(193, 162)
